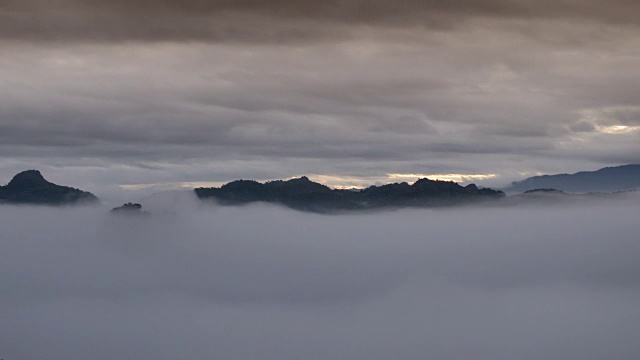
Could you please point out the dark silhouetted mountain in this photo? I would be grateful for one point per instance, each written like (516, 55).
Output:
(304, 194)
(29, 187)
(549, 197)
(545, 191)
(129, 209)
(609, 179)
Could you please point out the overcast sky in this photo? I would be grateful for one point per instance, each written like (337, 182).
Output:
(106, 94)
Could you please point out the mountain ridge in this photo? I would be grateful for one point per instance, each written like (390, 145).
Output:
(304, 194)
(607, 179)
(30, 187)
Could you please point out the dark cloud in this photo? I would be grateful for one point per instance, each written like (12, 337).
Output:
(269, 90)
(273, 21)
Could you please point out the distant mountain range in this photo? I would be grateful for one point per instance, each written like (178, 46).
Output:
(609, 179)
(30, 187)
(304, 194)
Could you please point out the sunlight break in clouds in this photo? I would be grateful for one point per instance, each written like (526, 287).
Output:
(335, 182)
(617, 129)
(459, 178)
(170, 186)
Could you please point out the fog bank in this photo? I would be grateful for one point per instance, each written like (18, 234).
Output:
(263, 282)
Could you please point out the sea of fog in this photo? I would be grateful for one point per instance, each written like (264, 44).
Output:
(268, 283)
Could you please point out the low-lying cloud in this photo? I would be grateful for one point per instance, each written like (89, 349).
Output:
(270, 283)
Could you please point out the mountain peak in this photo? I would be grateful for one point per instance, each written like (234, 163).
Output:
(30, 187)
(28, 178)
(302, 179)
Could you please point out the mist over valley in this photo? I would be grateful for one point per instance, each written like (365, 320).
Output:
(264, 281)
(319, 180)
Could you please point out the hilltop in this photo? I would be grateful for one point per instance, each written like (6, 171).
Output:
(30, 187)
(609, 179)
(304, 194)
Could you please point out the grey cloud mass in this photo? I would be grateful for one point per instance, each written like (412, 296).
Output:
(275, 21)
(557, 283)
(188, 91)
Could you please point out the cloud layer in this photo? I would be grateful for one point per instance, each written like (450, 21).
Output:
(277, 21)
(110, 93)
(266, 282)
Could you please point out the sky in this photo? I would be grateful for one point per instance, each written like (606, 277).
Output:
(454, 284)
(113, 96)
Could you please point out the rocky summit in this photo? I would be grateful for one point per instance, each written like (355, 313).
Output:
(30, 187)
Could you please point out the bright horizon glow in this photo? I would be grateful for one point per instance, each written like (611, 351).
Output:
(617, 129)
(171, 185)
(459, 178)
(335, 182)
